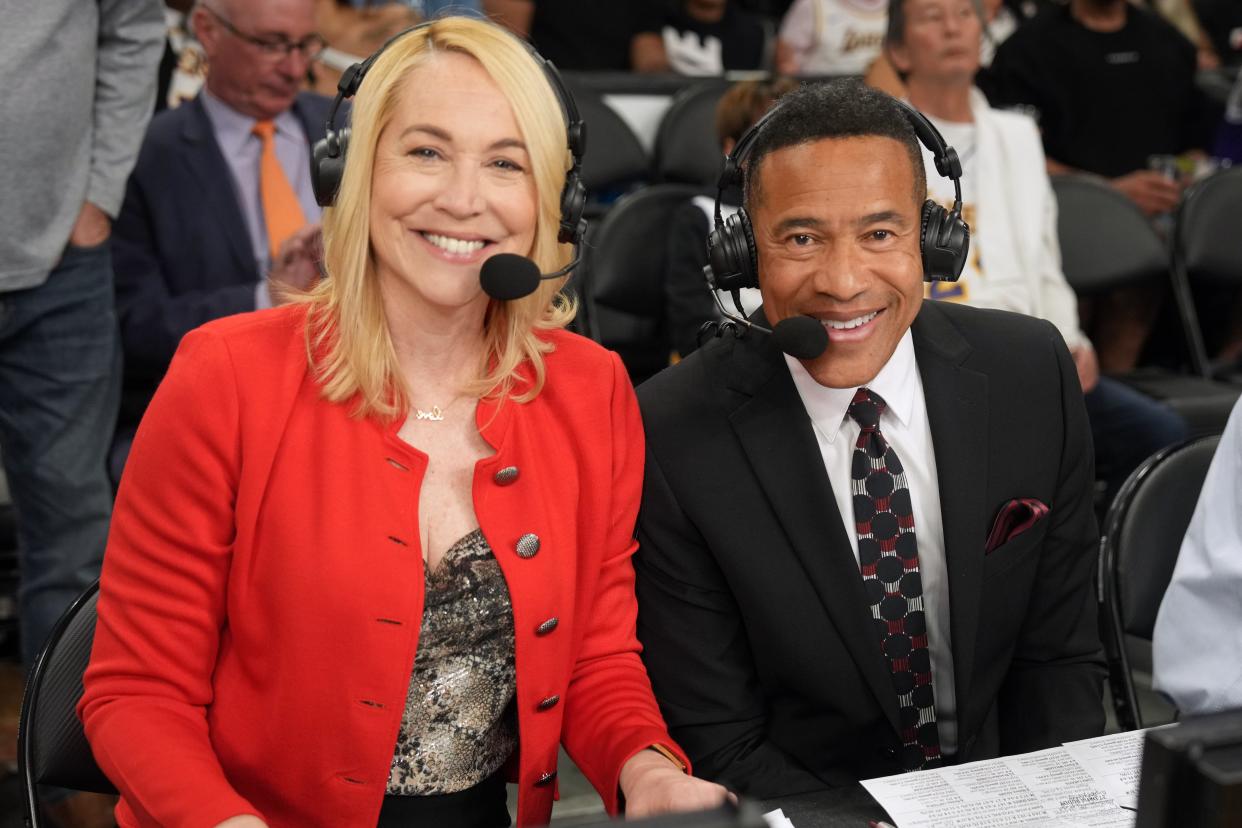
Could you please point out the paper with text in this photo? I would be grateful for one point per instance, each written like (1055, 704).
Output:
(1089, 783)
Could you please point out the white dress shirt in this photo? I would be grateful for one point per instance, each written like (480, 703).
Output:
(905, 427)
(1197, 650)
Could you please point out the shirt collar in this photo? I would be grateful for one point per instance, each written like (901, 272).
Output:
(828, 408)
(233, 129)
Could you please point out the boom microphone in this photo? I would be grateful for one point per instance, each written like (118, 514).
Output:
(802, 337)
(508, 276)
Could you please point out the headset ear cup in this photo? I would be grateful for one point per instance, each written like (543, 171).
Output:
(328, 165)
(731, 253)
(573, 206)
(944, 242)
(749, 256)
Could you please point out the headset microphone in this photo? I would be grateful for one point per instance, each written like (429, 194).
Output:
(508, 276)
(802, 337)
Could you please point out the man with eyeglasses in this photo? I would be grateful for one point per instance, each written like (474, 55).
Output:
(219, 213)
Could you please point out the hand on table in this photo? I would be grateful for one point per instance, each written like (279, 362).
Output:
(654, 785)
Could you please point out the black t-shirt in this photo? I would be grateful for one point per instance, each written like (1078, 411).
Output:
(736, 41)
(592, 35)
(1105, 101)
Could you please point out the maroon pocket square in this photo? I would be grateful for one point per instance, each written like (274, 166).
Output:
(1014, 518)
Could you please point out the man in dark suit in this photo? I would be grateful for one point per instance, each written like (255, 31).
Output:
(878, 559)
(220, 206)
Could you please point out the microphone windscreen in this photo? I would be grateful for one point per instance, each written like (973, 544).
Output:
(508, 276)
(802, 337)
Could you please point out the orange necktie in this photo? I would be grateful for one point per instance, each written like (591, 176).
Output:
(281, 210)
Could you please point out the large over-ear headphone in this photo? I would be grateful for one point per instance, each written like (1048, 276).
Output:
(328, 154)
(944, 236)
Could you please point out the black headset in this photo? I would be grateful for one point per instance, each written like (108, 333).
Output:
(944, 236)
(328, 154)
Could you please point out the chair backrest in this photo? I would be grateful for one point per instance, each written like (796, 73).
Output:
(1106, 241)
(1206, 230)
(626, 262)
(51, 745)
(630, 249)
(686, 146)
(1142, 536)
(614, 157)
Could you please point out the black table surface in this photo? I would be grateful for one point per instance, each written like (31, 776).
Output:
(847, 807)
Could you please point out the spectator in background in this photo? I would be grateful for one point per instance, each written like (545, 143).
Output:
(589, 35)
(354, 29)
(1111, 85)
(709, 37)
(79, 82)
(830, 37)
(1181, 15)
(1015, 260)
(687, 301)
(219, 208)
(1196, 650)
(1221, 21)
(184, 66)
(429, 9)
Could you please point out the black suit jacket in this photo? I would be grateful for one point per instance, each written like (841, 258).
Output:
(756, 630)
(181, 250)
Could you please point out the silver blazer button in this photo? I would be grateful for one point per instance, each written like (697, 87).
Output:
(528, 545)
(506, 475)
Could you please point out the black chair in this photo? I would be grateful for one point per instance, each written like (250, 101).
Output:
(1206, 249)
(615, 160)
(1107, 243)
(51, 745)
(687, 149)
(627, 260)
(1142, 536)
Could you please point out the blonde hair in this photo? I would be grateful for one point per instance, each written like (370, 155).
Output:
(348, 341)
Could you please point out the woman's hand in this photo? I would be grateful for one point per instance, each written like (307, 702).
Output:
(654, 785)
(243, 821)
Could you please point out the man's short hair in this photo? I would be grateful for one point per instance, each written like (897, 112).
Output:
(834, 109)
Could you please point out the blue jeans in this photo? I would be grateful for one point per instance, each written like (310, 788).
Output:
(60, 385)
(1127, 427)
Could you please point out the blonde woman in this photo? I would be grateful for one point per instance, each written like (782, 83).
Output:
(371, 554)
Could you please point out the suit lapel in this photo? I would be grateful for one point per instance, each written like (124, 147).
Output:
(779, 442)
(313, 121)
(957, 410)
(215, 184)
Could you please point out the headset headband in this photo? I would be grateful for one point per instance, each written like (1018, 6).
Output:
(944, 156)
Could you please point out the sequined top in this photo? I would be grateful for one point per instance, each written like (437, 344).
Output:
(459, 724)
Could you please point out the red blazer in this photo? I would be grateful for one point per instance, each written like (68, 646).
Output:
(262, 588)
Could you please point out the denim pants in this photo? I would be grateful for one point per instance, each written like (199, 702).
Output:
(60, 385)
(1127, 427)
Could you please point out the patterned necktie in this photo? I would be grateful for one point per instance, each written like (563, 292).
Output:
(282, 212)
(888, 556)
